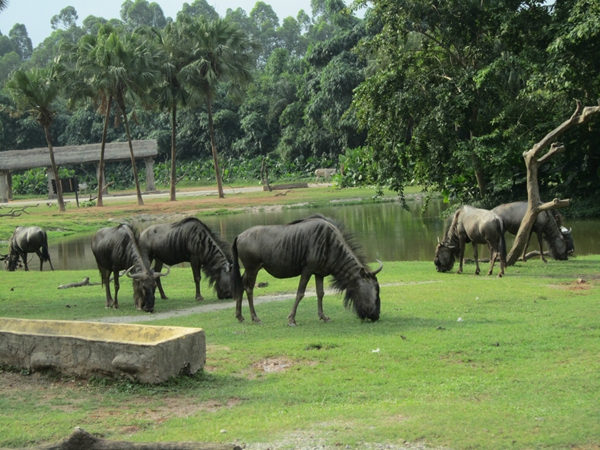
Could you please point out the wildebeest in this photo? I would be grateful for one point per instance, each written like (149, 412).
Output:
(117, 249)
(314, 245)
(475, 225)
(191, 241)
(27, 240)
(324, 173)
(546, 225)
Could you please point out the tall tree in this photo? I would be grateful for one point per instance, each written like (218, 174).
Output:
(66, 19)
(176, 54)
(198, 8)
(20, 38)
(36, 92)
(221, 52)
(116, 67)
(136, 13)
(446, 90)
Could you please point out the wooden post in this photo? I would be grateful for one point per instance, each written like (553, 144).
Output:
(50, 175)
(4, 186)
(150, 175)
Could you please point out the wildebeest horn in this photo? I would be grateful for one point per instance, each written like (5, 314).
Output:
(133, 275)
(563, 230)
(438, 238)
(158, 274)
(376, 271)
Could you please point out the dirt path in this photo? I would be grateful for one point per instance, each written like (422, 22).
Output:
(228, 305)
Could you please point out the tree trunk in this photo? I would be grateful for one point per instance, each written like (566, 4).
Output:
(59, 193)
(133, 164)
(173, 153)
(102, 147)
(213, 144)
(81, 439)
(533, 161)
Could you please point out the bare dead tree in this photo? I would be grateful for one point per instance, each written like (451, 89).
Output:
(533, 160)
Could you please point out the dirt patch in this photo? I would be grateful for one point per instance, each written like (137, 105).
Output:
(577, 285)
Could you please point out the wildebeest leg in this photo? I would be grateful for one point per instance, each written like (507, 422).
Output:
(115, 304)
(461, 255)
(304, 279)
(39, 253)
(197, 277)
(493, 259)
(541, 244)
(248, 281)
(476, 256)
(320, 294)
(158, 265)
(24, 258)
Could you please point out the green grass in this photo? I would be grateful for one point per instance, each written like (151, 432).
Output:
(519, 370)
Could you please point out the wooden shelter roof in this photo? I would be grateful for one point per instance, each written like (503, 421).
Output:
(75, 154)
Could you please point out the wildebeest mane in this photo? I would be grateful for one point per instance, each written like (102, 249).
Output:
(343, 277)
(137, 258)
(212, 267)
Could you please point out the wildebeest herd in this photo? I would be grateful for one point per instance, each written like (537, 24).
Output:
(315, 245)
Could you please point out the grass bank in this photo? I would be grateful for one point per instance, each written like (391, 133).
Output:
(456, 361)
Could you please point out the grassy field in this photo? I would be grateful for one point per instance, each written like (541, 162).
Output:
(456, 361)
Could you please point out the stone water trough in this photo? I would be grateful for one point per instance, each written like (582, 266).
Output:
(149, 354)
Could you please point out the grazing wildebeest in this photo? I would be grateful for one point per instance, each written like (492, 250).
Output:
(314, 245)
(117, 249)
(191, 241)
(478, 226)
(546, 226)
(324, 173)
(27, 240)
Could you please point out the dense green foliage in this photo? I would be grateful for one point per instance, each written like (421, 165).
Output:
(446, 95)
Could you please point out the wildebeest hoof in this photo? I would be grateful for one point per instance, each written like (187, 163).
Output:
(291, 323)
(199, 299)
(255, 319)
(325, 319)
(240, 319)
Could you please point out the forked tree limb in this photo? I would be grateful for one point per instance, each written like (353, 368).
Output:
(533, 160)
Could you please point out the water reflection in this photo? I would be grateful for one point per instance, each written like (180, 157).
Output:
(385, 231)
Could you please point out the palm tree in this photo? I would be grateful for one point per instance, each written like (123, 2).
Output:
(175, 55)
(221, 52)
(3, 4)
(118, 67)
(35, 92)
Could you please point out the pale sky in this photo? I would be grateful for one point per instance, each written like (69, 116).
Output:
(36, 14)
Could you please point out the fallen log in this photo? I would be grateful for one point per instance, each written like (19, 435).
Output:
(81, 439)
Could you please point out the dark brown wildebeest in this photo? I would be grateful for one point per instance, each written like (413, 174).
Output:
(191, 241)
(469, 224)
(311, 246)
(547, 226)
(27, 240)
(117, 249)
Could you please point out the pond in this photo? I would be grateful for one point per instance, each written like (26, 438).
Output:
(385, 230)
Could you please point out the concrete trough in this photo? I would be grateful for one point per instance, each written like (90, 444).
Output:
(148, 354)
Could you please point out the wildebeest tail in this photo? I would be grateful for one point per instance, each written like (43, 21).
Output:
(236, 276)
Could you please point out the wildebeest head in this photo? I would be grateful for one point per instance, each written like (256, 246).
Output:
(223, 281)
(363, 294)
(11, 261)
(144, 287)
(444, 257)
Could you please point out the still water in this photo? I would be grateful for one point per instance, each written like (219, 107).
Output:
(385, 230)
